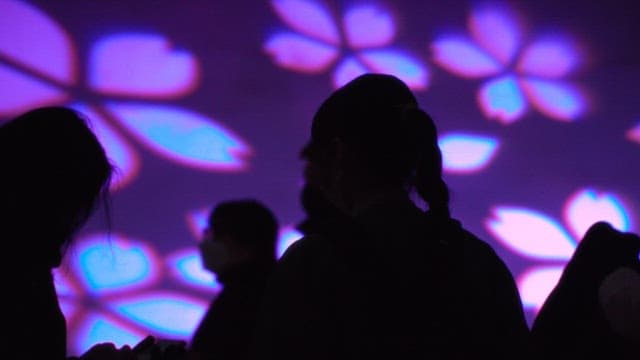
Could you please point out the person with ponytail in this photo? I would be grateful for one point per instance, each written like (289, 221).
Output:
(375, 275)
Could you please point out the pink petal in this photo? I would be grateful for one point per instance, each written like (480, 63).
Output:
(405, 67)
(183, 136)
(308, 17)
(141, 65)
(552, 58)
(530, 233)
(555, 99)
(21, 92)
(122, 156)
(35, 42)
(347, 70)
(368, 26)
(98, 328)
(496, 29)
(501, 99)
(298, 53)
(286, 238)
(463, 58)
(588, 206)
(536, 284)
(464, 153)
(634, 134)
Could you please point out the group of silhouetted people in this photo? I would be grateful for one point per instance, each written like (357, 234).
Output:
(374, 277)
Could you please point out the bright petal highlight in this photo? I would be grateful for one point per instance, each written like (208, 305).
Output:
(298, 53)
(502, 100)
(186, 266)
(536, 284)
(463, 58)
(183, 136)
(368, 26)
(98, 328)
(497, 31)
(530, 233)
(589, 206)
(398, 64)
(558, 100)
(309, 18)
(548, 58)
(463, 153)
(287, 237)
(348, 70)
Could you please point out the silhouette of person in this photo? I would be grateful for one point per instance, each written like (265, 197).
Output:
(239, 247)
(594, 310)
(54, 172)
(375, 276)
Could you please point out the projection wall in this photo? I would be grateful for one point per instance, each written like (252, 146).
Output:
(203, 101)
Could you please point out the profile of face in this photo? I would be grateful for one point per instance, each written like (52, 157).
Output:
(219, 252)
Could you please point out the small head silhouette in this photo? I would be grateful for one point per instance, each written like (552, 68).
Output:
(54, 170)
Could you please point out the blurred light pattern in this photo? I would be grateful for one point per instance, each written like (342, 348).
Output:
(537, 236)
(100, 328)
(363, 35)
(38, 67)
(187, 268)
(522, 73)
(288, 235)
(634, 134)
(466, 153)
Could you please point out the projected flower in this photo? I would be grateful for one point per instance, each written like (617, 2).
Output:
(115, 296)
(319, 41)
(539, 237)
(521, 74)
(466, 153)
(126, 74)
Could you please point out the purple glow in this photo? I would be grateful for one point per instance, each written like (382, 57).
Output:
(186, 266)
(183, 136)
(530, 233)
(551, 58)
(141, 65)
(121, 155)
(197, 221)
(462, 57)
(634, 134)
(169, 314)
(21, 92)
(464, 153)
(348, 70)
(368, 26)
(536, 284)
(502, 100)
(32, 39)
(288, 236)
(309, 18)
(588, 206)
(298, 53)
(497, 31)
(100, 328)
(558, 100)
(112, 263)
(395, 63)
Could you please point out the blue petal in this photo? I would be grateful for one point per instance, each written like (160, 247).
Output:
(187, 267)
(463, 58)
(368, 26)
(309, 18)
(169, 314)
(298, 53)
(465, 153)
(183, 136)
(98, 328)
(405, 67)
(557, 100)
(501, 99)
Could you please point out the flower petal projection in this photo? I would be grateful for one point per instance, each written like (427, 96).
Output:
(299, 53)
(368, 26)
(169, 314)
(406, 68)
(288, 236)
(634, 134)
(589, 206)
(309, 18)
(347, 70)
(530, 233)
(501, 99)
(187, 267)
(121, 155)
(197, 221)
(550, 58)
(183, 136)
(463, 58)
(99, 328)
(141, 65)
(536, 284)
(21, 92)
(113, 263)
(558, 100)
(496, 30)
(465, 153)
(33, 41)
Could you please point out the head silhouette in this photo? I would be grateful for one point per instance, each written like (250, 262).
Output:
(54, 170)
(371, 134)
